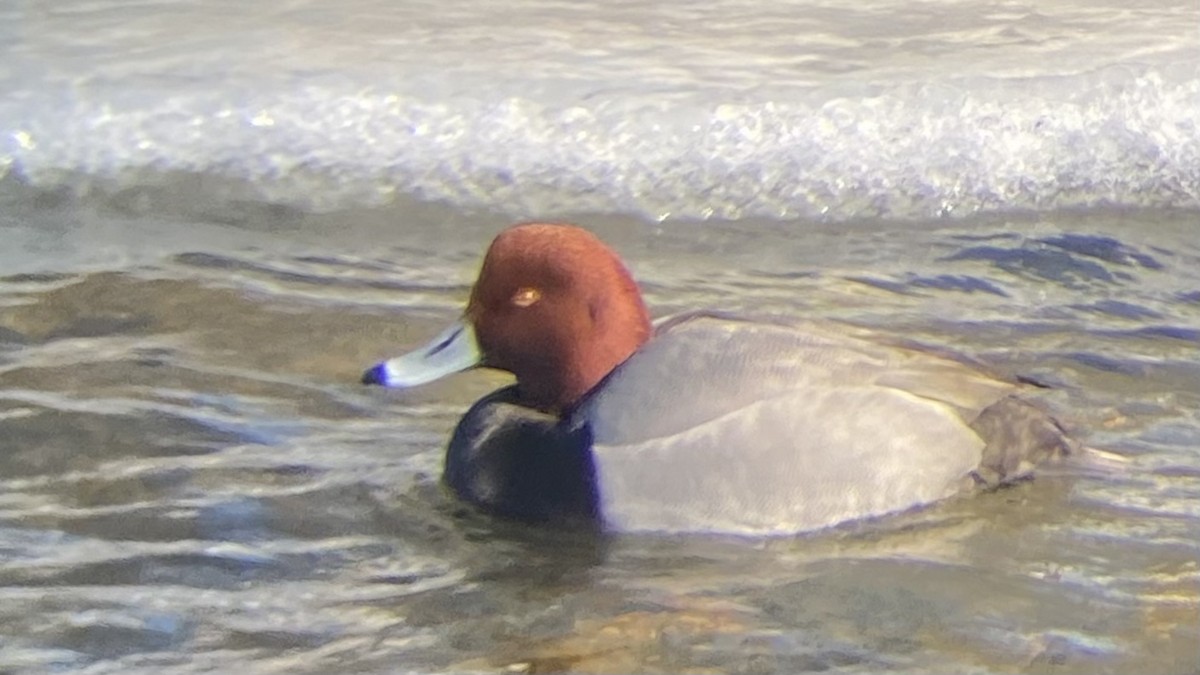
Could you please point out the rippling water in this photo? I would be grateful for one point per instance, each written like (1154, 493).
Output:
(213, 216)
(192, 477)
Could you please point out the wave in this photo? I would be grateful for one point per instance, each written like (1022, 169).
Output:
(1119, 136)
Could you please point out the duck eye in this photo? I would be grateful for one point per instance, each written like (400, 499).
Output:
(526, 296)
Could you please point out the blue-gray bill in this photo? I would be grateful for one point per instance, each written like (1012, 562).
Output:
(454, 349)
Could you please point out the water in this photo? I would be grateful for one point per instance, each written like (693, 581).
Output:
(215, 215)
(731, 109)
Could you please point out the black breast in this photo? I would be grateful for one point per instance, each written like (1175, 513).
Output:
(518, 462)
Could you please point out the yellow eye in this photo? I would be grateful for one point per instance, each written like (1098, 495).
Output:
(526, 296)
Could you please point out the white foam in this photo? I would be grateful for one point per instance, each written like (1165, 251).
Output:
(838, 129)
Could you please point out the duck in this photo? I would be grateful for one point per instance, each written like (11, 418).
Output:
(706, 421)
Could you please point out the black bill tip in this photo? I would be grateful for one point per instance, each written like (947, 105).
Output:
(375, 375)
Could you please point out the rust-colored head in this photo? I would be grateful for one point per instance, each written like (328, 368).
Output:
(556, 307)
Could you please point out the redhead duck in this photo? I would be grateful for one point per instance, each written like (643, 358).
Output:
(706, 422)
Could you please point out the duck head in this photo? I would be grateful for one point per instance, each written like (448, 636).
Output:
(553, 305)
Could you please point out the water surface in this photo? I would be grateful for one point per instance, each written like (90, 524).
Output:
(213, 216)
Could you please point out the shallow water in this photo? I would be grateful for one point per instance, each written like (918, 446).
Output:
(214, 215)
(193, 479)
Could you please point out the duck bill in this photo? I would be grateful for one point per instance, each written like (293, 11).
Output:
(454, 349)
